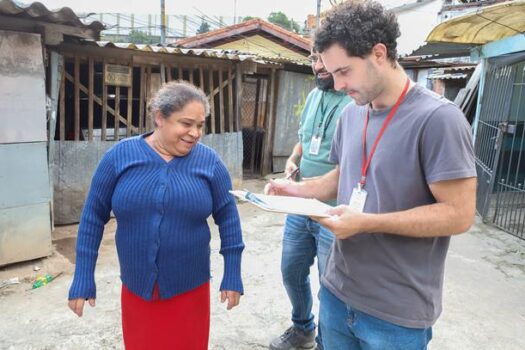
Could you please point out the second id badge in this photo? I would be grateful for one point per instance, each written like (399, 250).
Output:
(358, 199)
(315, 145)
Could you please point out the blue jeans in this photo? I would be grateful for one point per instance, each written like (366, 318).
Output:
(303, 240)
(350, 329)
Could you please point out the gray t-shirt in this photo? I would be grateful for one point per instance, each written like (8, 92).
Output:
(395, 278)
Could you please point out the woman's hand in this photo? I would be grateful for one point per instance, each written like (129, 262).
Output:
(77, 305)
(232, 296)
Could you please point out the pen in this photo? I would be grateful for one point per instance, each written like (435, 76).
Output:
(289, 176)
(252, 198)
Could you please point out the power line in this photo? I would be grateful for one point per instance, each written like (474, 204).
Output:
(191, 23)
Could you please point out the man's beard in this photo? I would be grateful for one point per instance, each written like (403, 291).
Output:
(324, 84)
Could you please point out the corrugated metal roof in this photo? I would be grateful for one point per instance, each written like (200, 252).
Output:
(460, 68)
(447, 76)
(442, 50)
(232, 55)
(486, 25)
(454, 72)
(38, 11)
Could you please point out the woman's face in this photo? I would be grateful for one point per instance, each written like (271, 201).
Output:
(182, 129)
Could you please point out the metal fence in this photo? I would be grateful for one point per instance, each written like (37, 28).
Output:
(500, 145)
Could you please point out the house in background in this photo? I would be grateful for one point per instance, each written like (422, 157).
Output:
(255, 36)
(497, 36)
(455, 8)
(268, 139)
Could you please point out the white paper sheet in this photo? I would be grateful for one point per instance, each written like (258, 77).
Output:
(284, 204)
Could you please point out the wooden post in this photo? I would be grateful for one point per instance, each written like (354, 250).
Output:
(191, 74)
(212, 102)
(238, 98)
(104, 121)
(149, 125)
(264, 103)
(256, 108)
(270, 121)
(231, 114)
(56, 76)
(221, 102)
(201, 85)
(91, 87)
(170, 78)
(117, 113)
(77, 99)
(99, 101)
(141, 99)
(130, 106)
(63, 107)
(201, 78)
(180, 73)
(162, 74)
(256, 116)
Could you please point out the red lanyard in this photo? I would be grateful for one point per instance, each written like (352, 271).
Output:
(366, 161)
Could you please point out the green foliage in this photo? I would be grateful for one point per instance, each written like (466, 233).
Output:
(204, 28)
(139, 37)
(247, 18)
(282, 20)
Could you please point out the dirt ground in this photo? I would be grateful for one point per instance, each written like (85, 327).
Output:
(484, 300)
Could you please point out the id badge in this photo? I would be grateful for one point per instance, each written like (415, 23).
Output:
(315, 145)
(358, 200)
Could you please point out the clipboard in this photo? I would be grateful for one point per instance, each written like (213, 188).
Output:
(285, 204)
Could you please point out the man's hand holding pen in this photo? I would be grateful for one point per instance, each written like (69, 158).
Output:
(292, 174)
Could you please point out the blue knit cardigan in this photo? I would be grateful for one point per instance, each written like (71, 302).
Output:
(161, 210)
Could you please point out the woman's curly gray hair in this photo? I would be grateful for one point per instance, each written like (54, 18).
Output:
(173, 97)
(357, 26)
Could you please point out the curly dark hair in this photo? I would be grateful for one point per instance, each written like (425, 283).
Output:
(358, 25)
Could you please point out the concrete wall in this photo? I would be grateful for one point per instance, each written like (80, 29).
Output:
(292, 92)
(75, 162)
(25, 217)
(415, 23)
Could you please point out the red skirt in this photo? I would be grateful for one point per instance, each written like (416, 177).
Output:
(182, 322)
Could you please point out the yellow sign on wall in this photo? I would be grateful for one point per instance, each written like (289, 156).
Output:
(117, 75)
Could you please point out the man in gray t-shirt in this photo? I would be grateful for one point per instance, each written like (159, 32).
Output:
(405, 183)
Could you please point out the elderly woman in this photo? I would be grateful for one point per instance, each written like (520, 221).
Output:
(162, 187)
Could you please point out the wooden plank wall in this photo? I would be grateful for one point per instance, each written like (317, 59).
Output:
(91, 110)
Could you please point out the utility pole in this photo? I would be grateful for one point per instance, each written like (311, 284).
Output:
(162, 23)
(234, 11)
(318, 16)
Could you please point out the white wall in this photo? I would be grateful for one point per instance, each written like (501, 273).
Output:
(415, 25)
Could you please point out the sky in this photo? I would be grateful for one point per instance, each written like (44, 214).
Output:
(296, 9)
(216, 11)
